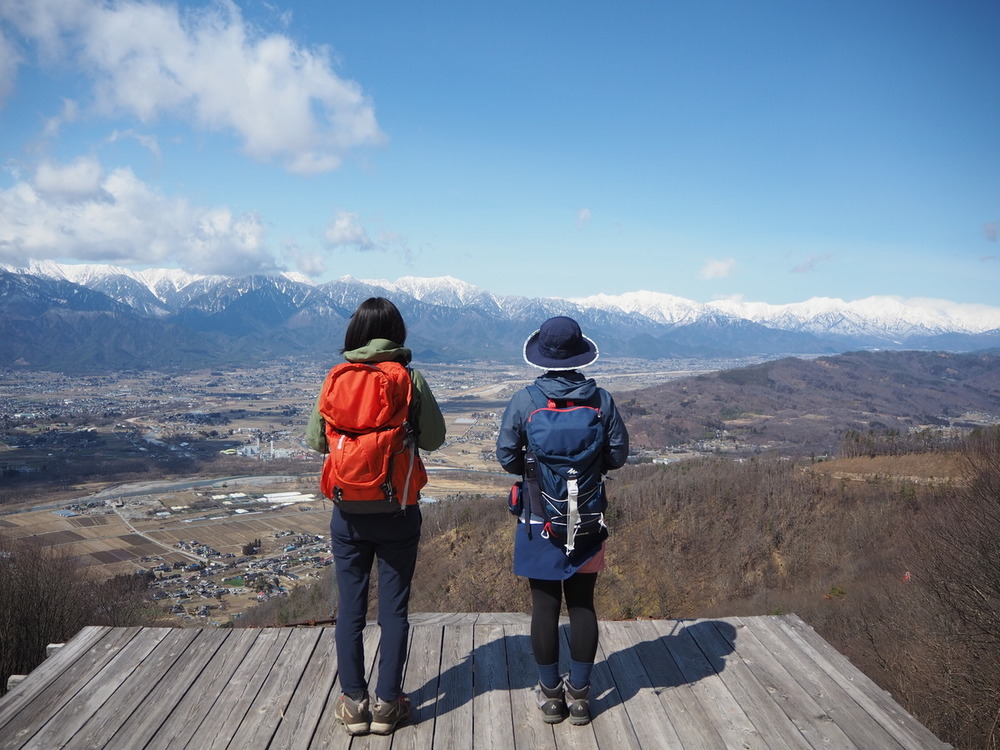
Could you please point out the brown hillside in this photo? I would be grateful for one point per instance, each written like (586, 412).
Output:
(807, 405)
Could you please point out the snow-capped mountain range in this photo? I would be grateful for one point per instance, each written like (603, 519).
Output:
(891, 316)
(159, 316)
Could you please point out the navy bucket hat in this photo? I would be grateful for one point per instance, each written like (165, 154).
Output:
(559, 345)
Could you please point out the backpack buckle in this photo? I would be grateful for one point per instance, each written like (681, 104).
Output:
(389, 490)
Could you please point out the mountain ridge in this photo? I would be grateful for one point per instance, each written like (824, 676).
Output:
(285, 314)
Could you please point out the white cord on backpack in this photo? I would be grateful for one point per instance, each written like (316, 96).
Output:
(572, 514)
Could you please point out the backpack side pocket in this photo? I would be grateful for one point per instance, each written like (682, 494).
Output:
(515, 499)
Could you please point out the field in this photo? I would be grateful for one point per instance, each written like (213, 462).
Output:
(920, 468)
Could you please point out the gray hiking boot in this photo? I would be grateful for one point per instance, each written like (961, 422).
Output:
(578, 703)
(387, 715)
(353, 714)
(551, 702)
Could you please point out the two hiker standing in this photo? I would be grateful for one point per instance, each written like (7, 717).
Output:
(374, 519)
(561, 434)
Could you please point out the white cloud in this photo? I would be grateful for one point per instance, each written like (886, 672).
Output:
(69, 113)
(146, 141)
(68, 182)
(345, 230)
(78, 211)
(311, 264)
(717, 269)
(148, 59)
(809, 264)
(582, 218)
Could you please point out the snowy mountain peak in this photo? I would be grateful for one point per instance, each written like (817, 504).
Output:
(663, 308)
(298, 278)
(440, 290)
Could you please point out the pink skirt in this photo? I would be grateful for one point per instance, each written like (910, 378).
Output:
(594, 564)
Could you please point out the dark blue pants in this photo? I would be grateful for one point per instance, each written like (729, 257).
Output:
(357, 540)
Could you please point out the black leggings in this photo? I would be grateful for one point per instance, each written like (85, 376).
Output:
(546, 601)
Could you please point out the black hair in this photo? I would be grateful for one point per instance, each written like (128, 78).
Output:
(375, 318)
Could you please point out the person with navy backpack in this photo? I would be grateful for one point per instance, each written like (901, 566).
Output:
(561, 435)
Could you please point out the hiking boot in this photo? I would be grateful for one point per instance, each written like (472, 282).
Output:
(353, 714)
(551, 702)
(387, 715)
(578, 703)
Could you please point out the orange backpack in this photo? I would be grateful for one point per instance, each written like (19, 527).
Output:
(373, 464)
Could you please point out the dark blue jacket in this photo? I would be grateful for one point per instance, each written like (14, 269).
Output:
(560, 385)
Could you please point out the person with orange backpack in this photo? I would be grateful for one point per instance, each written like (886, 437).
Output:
(373, 414)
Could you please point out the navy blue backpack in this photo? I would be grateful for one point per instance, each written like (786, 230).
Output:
(563, 482)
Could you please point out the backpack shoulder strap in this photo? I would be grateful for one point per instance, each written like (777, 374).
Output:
(540, 400)
(411, 417)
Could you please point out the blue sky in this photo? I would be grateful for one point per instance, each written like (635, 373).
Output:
(769, 151)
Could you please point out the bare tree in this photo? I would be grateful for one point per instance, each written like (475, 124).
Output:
(41, 602)
(46, 596)
(961, 550)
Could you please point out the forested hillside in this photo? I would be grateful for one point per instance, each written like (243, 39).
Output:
(805, 406)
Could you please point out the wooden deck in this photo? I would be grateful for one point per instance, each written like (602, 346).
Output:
(755, 682)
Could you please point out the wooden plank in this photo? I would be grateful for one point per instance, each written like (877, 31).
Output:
(568, 736)
(428, 618)
(501, 618)
(647, 714)
(330, 733)
(302, 715)
(491, 706)
(529, 729)
(611, 725)
(410, 728)
(754, 690)
(775, 666)
(138, 690)
(732, 723)
(63, 686)
(688, 715)
(41, 676)
(812, 683)
(187, 714)
(268, 708)
(139, 729)
(453, 720)
(420, 683)
(231, 706)
(458, 618)
(875, 701)
(384, 742)
(78, 710)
